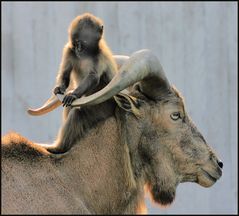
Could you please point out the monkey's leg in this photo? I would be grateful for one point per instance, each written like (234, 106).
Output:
(65, 113)
(79, 122)
(68, 133)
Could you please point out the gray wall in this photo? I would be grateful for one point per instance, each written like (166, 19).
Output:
(196, 44)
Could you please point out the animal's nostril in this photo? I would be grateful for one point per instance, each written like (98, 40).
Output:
(220, 164)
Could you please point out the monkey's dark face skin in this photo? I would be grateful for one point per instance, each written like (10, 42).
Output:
(85, 38)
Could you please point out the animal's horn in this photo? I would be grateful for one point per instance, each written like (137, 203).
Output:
(52, 103)
(120, 60)
(142, 66)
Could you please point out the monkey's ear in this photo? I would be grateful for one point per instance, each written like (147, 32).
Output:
(101, 28)
(128, 103)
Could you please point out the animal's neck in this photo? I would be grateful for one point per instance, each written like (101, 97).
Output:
(131, 132)
(103, 171)
(130, 139)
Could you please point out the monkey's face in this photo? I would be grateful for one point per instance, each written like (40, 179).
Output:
(85, 37)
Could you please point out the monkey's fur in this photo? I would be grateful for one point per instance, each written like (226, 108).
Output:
(87, 66)
(86, 59)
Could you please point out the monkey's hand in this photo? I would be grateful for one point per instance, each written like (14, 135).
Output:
(68, 99)
(59, 90)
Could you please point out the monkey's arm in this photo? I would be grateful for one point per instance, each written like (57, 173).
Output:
(63, 78)
(88, 83)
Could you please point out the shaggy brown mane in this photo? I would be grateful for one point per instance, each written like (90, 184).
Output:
(17, 147)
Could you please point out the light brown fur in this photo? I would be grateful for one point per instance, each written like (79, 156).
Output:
(106, 171)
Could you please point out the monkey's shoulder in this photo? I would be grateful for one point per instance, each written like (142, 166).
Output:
(107, 62)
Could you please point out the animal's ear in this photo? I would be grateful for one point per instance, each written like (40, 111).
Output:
(128, 103)
(101, 29)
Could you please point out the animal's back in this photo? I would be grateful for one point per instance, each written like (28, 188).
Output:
(92, 176)
(31, 183)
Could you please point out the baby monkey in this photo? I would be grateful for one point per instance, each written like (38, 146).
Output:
(87, 66)
(87, 63)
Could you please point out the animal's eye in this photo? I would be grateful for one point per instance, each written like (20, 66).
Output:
(175, 116)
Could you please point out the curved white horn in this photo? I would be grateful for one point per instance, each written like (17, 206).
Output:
(53, 102)
(142, 66)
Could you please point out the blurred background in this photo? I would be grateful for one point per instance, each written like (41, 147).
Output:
(196, 43)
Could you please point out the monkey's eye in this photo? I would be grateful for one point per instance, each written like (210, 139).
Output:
(175, 116)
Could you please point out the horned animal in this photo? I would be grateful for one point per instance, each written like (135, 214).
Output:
(149, 143)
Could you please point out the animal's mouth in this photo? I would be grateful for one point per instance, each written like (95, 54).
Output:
(209, 176)
(78, 51)
(79, 47)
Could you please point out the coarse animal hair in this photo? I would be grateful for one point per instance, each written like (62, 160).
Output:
(149, 143)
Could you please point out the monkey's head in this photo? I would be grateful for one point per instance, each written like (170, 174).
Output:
(85, 32)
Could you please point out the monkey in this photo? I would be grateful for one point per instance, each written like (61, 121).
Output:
(87, 57)
(87, 66)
